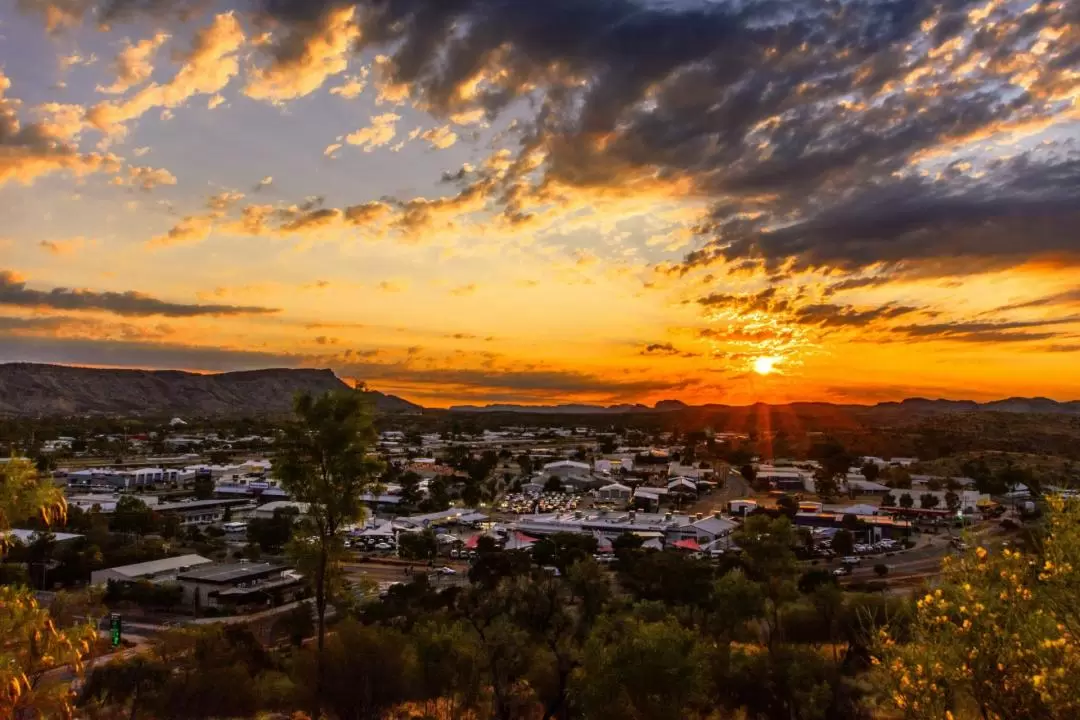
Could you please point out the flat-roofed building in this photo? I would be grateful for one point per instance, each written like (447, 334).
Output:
(154, 570)
(204, 512)
(239, 584)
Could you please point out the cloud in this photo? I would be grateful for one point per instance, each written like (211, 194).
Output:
(381, 132)
(145, 178)
(352, 86)
(133, 64)
(440, 138)
(13, 291)
(210, 64)
(834, 316)
(35, 149)
(191, 230)
(666, 349)
(306, 57)
(812, 131)
(986, 332)
(392, 286)
(224, 200)
(264, 183)
(463, 290)
(70, 246)
(1068, 297)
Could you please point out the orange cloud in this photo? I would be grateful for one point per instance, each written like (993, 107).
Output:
(304, 60)
(207, 68)
(133, 64)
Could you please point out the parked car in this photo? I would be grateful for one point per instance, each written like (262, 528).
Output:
(447, 571)
(851, 560)
(840, 572)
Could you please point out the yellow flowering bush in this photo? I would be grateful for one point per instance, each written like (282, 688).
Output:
(37, 659)
(997, 638)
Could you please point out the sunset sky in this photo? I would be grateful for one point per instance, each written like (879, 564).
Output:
(543, 201)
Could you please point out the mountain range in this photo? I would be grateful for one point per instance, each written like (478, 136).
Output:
(38, 390)
(35, 390)
(910, 406)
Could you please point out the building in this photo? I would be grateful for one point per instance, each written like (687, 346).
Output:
(265, 512)
(742, 507)
(123, 479)
(873, 527)
(217, 585)
(565, 469)
(153, 571)
(969, 500)
(615, 492)
(791, 479)
(664, 527)
(204, 512)
(682, 486)
(27, 537)
(866, 487)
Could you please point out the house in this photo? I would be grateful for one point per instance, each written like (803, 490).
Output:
(232, 584)
(649, 496)
(154, 570)
(682, 486)
(704, 529)
(615, 492)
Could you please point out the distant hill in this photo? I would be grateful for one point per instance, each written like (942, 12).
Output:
(911, 407)
(33, 390)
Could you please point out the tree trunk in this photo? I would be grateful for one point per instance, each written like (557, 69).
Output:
(320, 610)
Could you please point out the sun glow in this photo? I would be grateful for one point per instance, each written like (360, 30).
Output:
(764, 365)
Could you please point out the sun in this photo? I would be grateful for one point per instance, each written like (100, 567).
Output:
(764, 365)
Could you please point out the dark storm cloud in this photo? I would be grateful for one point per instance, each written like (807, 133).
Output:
(1026, 209)
(13, 291)
(800, 121)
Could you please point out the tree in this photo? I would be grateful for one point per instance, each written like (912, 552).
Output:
(273, 533)
(133, 516)
(929, 501)
(204, 486)
(644, 670)
(749, 474)
(417, 545)
(952, 501)
(32, 643)
(997, 638)
(369, 670)
(553, 484)
(881, 569)
(843, 542)
(906, 501)
(888, 500)
(324, 463)
(871, 471)
(825, 484)
(933, 484)
(788, 505)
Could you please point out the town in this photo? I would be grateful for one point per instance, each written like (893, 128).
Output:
(188, 526)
